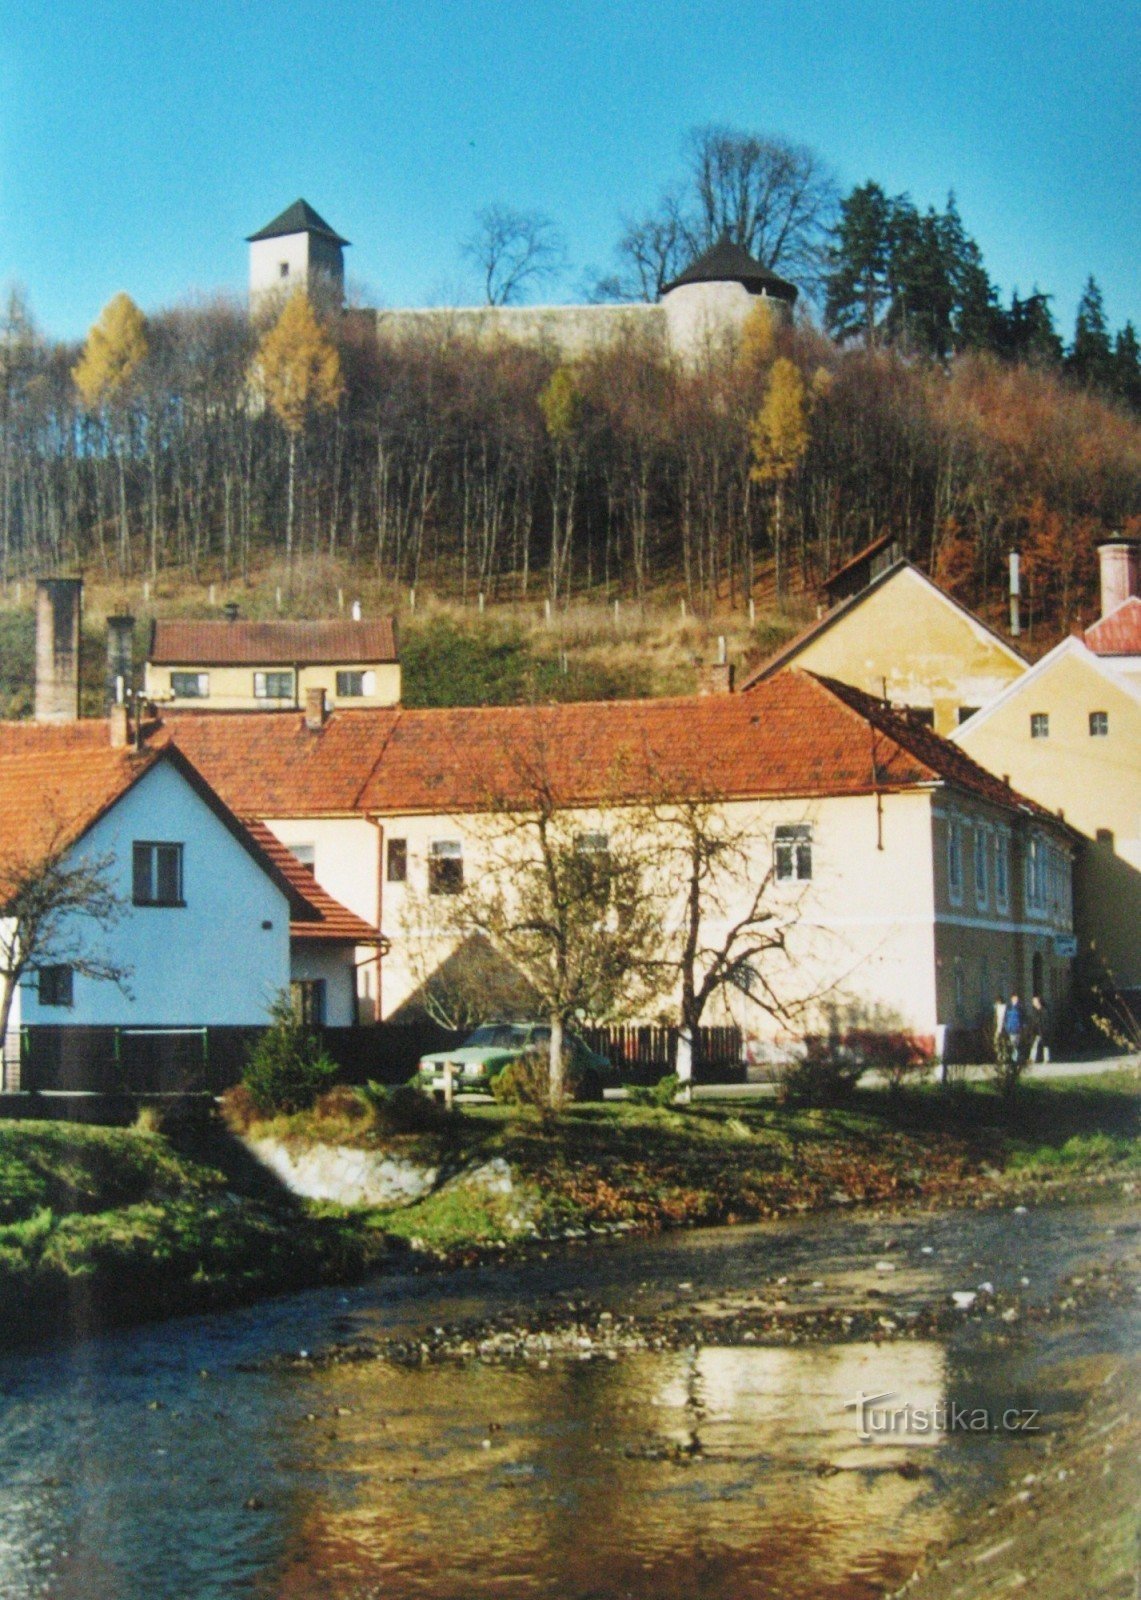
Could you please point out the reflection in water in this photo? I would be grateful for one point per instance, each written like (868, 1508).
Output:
(152, 1464)
(597, 1478)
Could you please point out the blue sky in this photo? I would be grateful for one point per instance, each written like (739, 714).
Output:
(140, 143)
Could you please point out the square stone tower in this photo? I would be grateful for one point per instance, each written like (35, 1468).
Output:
(290, 251)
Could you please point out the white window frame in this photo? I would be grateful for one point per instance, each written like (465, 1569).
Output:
(793, 852)
(261, 683)
(201, 690)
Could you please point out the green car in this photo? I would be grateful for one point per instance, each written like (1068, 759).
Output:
(493, 1046)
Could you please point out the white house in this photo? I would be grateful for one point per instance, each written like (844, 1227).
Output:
(214, 918)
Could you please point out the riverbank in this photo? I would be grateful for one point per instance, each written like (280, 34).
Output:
(101, 1226)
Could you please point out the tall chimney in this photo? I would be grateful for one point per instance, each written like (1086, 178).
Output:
(59, 609)
(715, 677)
(1118, 573)
(120, 659)
(1015, 593)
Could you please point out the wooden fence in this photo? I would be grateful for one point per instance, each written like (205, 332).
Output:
(645, 1054)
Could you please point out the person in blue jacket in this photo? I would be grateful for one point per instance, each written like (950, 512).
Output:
(1012, 1027)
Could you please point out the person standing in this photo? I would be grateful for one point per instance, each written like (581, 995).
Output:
(1038, 1026)
(998, 1034)
(1012, 1028)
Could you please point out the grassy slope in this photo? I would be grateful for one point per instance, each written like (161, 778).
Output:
(100, 1225)
(709, 1164)
(452, 654)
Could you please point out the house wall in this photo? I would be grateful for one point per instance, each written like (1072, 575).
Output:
(1096, 781)
(928, 653)
(209, 961)
(988, 945)
(335, 965)
(860, 933)
(346, 854)
(232, 688)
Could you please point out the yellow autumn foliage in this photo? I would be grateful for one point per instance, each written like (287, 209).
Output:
(297, 365)
(779, 433)
(116, 347)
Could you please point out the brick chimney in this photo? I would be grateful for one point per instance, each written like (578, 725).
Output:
(59, 608)
(715, 677)
(120, 659)
(1118, 561)
(316, 710)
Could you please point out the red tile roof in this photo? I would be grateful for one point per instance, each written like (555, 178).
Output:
(1119, 634)
(794, 734)
(332, 922)
(55, 785)
(270, 764)
(57, 781)
(255, 644)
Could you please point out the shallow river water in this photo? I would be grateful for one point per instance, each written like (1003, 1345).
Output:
(179, 1461)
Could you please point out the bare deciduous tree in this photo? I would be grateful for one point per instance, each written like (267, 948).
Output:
(513, 250)
(50, 902)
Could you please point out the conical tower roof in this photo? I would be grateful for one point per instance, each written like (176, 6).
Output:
(726, 262)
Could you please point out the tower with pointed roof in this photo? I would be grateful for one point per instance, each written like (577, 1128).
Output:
(293, 249)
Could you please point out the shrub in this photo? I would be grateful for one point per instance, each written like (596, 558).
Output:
(288, 1069)
(825, 1076)
(525, 1081)
(662, 1093)
(405, 1109)
(343, 1103)
(238, 1109)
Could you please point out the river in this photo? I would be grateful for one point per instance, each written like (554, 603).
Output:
(187, 1460)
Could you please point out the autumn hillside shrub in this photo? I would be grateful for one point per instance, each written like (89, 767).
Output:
(405, 1109)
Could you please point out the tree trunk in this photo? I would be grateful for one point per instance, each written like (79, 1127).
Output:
(557, 1084)
(289, 503)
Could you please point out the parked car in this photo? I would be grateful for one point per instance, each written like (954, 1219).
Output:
(494, 1045)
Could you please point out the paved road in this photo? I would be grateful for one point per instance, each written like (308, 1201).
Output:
(1051, 1069)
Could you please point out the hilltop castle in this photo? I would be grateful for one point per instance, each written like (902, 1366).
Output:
(711, 297)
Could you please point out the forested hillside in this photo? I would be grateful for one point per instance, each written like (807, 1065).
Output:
(196, 439)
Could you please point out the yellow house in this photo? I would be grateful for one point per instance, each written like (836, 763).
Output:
(272, 666)
(1068, 733)
(914, 886)
(904, 639)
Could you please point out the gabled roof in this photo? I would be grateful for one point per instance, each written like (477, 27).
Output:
(795, 736)
(333, 923)
(239, 643)
(726, 262)
(787, 653)
(1119, 634)
(1071, 646)
(57, 782)
(300, 217)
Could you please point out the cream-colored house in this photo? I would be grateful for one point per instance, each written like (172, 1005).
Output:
(905, 640)
(914, 885)
(272, 666)
(1068, 733)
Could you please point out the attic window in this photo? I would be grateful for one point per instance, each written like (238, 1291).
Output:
(1039, 724)
(352, 684)
(1098, 724)
(283, 270)
(306, 854)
